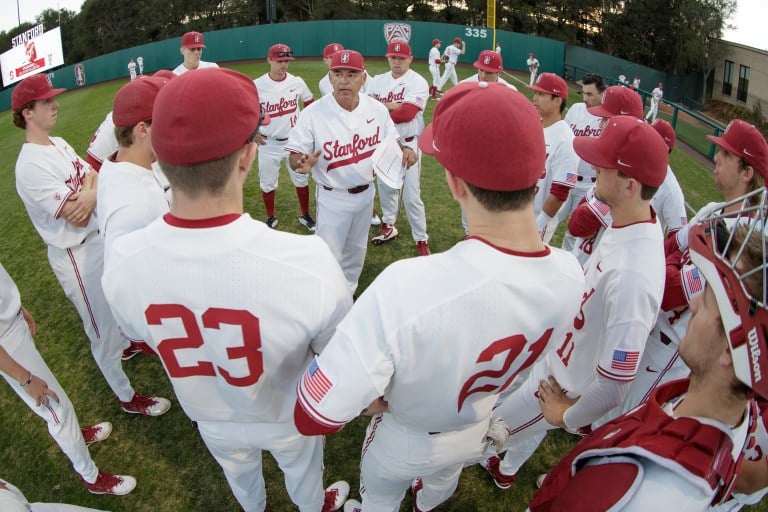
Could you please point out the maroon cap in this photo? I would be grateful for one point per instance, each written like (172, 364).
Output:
(488, 135)
(436, 41)
(399, 49)
(204, 116)
(164, 73)
(192, 40)
(629, 145)
(330, 49)
(746, 141)
(550, 83)
(666, 131)
(33, 88)
(280, 53)
(489, 61)
(347, 59)
(134, 101)
(457, 40)
(619, 101)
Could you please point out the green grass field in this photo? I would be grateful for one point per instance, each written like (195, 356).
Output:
(174, 470)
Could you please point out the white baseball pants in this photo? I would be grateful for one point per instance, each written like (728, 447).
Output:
(448, 74)
(79, 270)
(394, 455)
(237, 447)
(271, 155)
(533, 77)
(434, 70)
(13, 500)
(389, 199)
(343, 221)
(60, 417)
(653, 111)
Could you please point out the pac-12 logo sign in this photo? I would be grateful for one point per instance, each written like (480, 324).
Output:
(79, 74)
(401, 31)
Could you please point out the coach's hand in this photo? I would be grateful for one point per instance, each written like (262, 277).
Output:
(303, 162)
(409, 157)
(554, 402)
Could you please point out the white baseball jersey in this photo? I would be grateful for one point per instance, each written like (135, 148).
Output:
(181, 68)
(231, 307)
(656, 95)
(10, 304)
(434, 56)
(280, 100)
(132, 69)
(46, 176)
(429, 337)
(140, 62)
(345, 139)
(128, 197)
(104, 143)
(533, 63)
(326, 88)
(636, 83)
(475, 78)
(453, 53)
(409, 88)
(583, 124)
(624, 285)
(669, 203)
(561, 163)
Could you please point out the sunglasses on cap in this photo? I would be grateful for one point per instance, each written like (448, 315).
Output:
(256, 131)
(281, 55)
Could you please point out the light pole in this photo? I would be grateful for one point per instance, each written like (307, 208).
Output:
(18, 12)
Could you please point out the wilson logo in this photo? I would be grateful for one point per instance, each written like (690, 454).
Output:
(754, 353)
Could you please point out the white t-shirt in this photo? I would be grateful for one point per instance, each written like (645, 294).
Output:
(46, 176)
(440, 337)
(181, 68)
(234, 309)
(410, 88)
(561, 163)
(345, 139)
(583, 124)
(280, 100)
(475, 78)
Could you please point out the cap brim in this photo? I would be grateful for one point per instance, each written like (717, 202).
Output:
(723, 144)
(588, 149)
(397, 55)
(539, 89)
(193, 46)
(485, 68)
(425, 140)
(599, 111)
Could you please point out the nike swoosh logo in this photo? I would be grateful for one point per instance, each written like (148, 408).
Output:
(746, 152)
(598, 266)
(649, 369)
(291, 90)
(624, 113)
(369, 121)
(622, 163)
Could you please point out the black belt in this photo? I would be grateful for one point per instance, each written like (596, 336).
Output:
(281, 140)
(353, 190)
(409, 139)
(582, 178)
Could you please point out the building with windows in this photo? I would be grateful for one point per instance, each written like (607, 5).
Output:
(741, 78)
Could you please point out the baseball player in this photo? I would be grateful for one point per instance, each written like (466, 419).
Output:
(140, 63)
(636, 83)
(439, 369)
(583, 124)
(198, 285)
(434, 67)
(452, 54)
(192, 49)
(325, 83)
(593, 365)
(280, 94)
(404, 92)
(132, 69)
(533, 67)
(682, 449)
(22, 366)
(335, 138)
(59, 192)
(656, 98)
(498, 49)
(13, 500)
(550, 95)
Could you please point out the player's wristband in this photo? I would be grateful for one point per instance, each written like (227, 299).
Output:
(28, 382)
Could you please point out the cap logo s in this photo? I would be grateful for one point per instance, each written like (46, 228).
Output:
(487, 60)
(197, 39)
(344, 58)
(397, 47)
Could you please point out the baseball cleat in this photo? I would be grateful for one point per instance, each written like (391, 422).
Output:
(146, 405)
(353, 506)
(493, 466)
(133, 350)
(388, 232)
(307, 221)
(423, 247)
(107, 483)
(96, 433)
(335, 496)
(272, 222)
(375, 220)
(416, 486)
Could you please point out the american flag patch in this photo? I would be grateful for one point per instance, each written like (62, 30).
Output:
(601, 207)
(315, 382)
(693, 281)
(624, 361)
(571, 177)
(683, 221)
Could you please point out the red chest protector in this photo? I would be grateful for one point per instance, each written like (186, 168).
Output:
(701, 450)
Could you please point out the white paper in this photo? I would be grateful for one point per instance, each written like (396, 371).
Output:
(388, 163)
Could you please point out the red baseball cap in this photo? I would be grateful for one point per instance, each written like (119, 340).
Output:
(280, 53)
(550, 83)
(347, 59)
(746, 141)
(33, 88)
(164, 73)
(666, 131)
(134, 101)
(502, 149)
(192, 40)
(619, 101)
(436, 41)
(399, 48)
(331, 48)
(457, 40)
(204, 116)
(629, 145)
(489, 61)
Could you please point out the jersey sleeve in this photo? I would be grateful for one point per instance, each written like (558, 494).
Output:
(336, 303)
(417, 93)
(304, 93)
(563, 163)
(42, 187)
(672, 212)
(301, 138)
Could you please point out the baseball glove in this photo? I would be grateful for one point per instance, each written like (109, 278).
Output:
(444, 58)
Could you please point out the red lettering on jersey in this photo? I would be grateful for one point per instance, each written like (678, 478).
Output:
(75, 181)
(578, 320)
(513, 346)
(676, 316)
(213, 318)
(587, 245)
(283, 107)
(351, 152)
(587, 131)
(391, 97)
(566, 350)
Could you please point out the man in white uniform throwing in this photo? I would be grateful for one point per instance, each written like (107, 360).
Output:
(198, 286)
(656, 98)
(439, 369)
(192, 49)
(452, 53)
(533, 67)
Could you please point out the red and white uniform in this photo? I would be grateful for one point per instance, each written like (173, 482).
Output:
(409, 89)
(132, 70)
(560, 174)
(449, 73)
(656, 95)
(280, 100)
(475, 78)
(60, 416)
(46, 175)
(204, 295)
(533, 67)
(434, 64)
(13, 500)
(181, 68)
(437, 366)
(624, 286)
(344, 172)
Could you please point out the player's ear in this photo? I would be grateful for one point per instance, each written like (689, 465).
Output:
(456, 184)
(247, 156)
